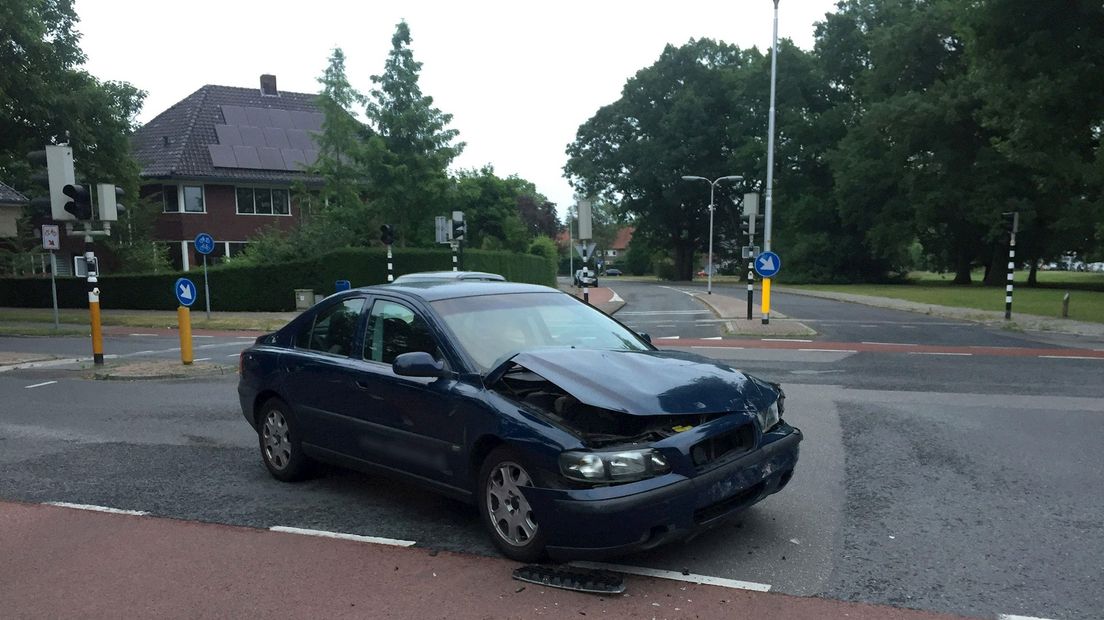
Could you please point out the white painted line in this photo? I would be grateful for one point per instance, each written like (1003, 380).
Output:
(661, 312)
(937, 353)
(675, 576)
(867, 326)
(712, 347)
(1015, 617)
(194, 336)
(201, 359)
(27, 387)
(712, 338)
(245, 337)
(143, 352)
(895, 344)
(94, 508)
(615, 297)
(395, 542)
(141, 334)
(830, 350)
(234, 355)
(667, 338)
(784, 340)
(1071, 357)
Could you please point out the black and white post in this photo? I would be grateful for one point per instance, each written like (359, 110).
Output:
(455, 258)
(751, 287)
(1011, 265)
(583, 280)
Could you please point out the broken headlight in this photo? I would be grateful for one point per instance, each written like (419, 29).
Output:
(621, 466)
(769, 417)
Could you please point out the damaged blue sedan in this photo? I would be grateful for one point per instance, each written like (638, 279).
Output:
(572, 435)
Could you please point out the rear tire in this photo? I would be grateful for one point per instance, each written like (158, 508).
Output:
(505, 512)
(278, 438)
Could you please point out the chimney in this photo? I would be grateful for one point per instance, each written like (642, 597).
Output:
(268, 86)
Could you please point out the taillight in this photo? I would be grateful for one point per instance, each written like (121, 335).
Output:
(241, 361)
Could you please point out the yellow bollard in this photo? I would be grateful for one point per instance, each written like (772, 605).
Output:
(766, 299)
(184, 321)
(97, 331)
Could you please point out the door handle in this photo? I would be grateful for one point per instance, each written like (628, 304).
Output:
(362, 385)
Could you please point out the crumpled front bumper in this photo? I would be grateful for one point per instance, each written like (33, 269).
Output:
(608, 521)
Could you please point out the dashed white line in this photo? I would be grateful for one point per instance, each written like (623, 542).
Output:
(201, 359)
(195, 336)
(395, 542)
(712, 338)
(939, 353)
(713, 347)
(245, 337)
(784, 340)
(94, 508)
(675, 576)
(234, 355)
(895, 344)
(830, 350)
(667, 338)
(141, 334)
(1071, 357)
(27, 387)
(1015, 617)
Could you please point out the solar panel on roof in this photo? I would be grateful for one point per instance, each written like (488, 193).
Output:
(275, 137)
(300, 139)
(247, 157)
(228, 135)
(258, 117)
(316, 121)
(222, 156)
(294, 158)
(234, 115)
(311, 156)
(279, 118)
(252, 136)
(301, 120)
(270, 158)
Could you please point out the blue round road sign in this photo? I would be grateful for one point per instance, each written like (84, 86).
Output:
(767, 264)
(185, 291)
(204, 243)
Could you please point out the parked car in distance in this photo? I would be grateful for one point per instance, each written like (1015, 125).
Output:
(586, 276)
(424, 276)
(572, 434)
(613, 272)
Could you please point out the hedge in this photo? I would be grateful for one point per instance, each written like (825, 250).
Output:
(269, 287)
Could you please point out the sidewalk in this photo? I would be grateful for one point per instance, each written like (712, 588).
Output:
(1019, 321)
(605, 299)
(728, 307)
(63, 562)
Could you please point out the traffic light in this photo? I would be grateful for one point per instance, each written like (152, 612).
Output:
(80, 203)
(107, 199)
(745, 231)
(1011, 221)
(387, 234)
(458, 226)
(58, 172)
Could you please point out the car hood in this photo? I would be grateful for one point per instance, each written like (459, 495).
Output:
(644, 382)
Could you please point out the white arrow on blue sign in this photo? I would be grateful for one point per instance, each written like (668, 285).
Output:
(204, 243)
(185, 291)
(767, 264)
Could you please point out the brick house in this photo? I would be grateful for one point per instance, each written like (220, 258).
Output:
(224, 161)
(11, 209)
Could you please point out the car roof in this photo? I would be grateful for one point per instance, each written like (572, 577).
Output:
(434, 290)
(452, 275)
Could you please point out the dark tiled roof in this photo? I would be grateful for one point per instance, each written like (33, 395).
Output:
(9, 196)
(190, 128)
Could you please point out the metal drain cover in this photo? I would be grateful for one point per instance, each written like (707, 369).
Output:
(572, 578)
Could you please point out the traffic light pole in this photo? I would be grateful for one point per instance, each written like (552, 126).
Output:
(455, 259)
(390, 265)
(93, 300)
(750, 286)
(1011, 267)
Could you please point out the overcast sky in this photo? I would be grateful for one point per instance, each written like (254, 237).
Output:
(518, 77)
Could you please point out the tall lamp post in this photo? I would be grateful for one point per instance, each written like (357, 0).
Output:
(712, 186)
(768, 229)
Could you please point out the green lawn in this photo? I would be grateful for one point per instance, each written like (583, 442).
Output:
(1084, 305)
(1051, 278)
(259, 321)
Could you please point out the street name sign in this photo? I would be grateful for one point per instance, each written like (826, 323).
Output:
(185, 291)
(767, 264)
(204, 243)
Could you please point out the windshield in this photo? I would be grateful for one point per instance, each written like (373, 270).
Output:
(489, 327)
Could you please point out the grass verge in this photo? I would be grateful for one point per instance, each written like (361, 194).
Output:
(153, 318)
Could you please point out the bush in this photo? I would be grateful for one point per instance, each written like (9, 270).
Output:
(244, 287)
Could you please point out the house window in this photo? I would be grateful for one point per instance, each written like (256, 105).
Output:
(263, 201)
(193, 199)
(169, 198)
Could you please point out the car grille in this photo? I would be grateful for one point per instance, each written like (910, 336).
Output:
(710, 452)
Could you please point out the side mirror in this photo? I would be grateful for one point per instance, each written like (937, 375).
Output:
(418, 364)
(645, 336)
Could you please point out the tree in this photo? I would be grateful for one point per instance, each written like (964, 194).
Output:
(408, 165)
(491, 208)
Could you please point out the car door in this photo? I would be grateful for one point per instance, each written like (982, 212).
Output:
(320, 375)
(413, 424)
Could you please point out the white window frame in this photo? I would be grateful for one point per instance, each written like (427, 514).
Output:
(202, 196)
(165, 205)
(254, 188)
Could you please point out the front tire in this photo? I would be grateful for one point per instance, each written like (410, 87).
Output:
(505, 512)
(281, 449)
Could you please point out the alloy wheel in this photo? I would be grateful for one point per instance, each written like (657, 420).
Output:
(509, 510)
(277, 446)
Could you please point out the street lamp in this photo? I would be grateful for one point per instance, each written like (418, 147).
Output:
(712, 186)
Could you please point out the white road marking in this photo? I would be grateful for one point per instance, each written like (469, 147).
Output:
(143, 352)
(692, 294)
(201, 359)
(895, 344)
(1015, 617)
(675, 576)
(141, 334)
(784, 340)
(1071, 357)
(667, 338)
(660, 312)
(245, 337)
(830, 350)
(870, 326)
(94, 508)
(712, 338)
(712, 347)
(395, 542)
(937, 353)
(27, 387)
(194, 336)
(913, 326)
(615, 297)
(52, 363)
(234, 355)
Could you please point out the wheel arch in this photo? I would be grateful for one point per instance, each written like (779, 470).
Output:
(259, 402)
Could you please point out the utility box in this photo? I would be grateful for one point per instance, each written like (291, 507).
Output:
(304, 298)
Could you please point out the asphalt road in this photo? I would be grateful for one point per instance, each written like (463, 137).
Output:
(965, 484)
